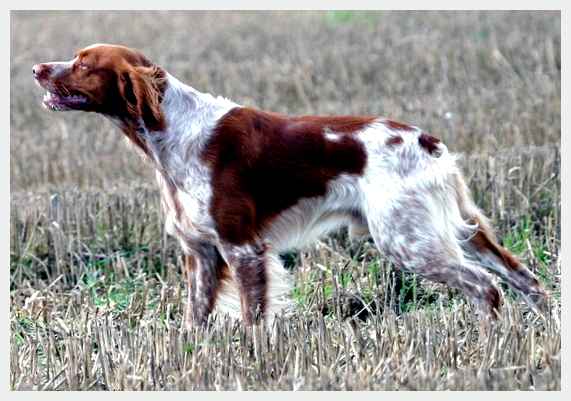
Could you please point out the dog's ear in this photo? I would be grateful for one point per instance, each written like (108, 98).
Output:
(142, 90)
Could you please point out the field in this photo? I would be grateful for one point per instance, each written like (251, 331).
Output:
(96, 288)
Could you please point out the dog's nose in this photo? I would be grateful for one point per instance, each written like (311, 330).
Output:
(40, 71)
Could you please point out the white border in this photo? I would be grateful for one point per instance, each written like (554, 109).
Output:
(290, 5)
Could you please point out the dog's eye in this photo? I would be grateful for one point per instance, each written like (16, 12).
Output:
(82, 66)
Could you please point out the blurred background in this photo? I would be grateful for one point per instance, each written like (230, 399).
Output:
(481, 81)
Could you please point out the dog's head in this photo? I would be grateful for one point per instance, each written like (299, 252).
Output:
(113, 80)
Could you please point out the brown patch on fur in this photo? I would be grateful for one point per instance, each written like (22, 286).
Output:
(264, 163)
(253, 283)
(395, 125)
(142, 93)
(142, 89)
(394, 140)
(429, 143)
(494, 300)
(317, 124)
(524, 279)
(188, 265)
(484, 241)
(222, 274)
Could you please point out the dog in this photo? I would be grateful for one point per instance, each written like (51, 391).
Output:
(240, 185)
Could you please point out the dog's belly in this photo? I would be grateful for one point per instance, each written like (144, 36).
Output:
(304, 223)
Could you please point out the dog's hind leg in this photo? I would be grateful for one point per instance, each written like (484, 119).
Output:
(419, 230)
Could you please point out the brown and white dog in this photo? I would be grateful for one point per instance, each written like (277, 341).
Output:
(240, 185)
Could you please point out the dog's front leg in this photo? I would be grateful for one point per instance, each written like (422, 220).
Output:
(249, 267)
(205, 268)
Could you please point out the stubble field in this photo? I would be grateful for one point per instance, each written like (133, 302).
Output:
(96, 288)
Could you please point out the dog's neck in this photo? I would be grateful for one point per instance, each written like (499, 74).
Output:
(190, 117)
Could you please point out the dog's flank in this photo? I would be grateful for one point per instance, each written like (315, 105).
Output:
(240, 185)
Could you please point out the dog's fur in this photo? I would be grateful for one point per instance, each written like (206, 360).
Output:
(240, 185)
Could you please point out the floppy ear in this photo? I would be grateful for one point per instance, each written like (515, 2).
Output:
(142, 89)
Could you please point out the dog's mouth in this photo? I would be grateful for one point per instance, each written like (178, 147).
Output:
(60, 100)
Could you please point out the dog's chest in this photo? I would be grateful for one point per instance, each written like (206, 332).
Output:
(186, 208)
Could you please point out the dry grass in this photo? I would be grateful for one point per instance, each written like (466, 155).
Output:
(96, 287)
(434, 350)
(97, 298)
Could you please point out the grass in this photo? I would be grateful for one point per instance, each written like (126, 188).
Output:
(109, 297)
(96, 289)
